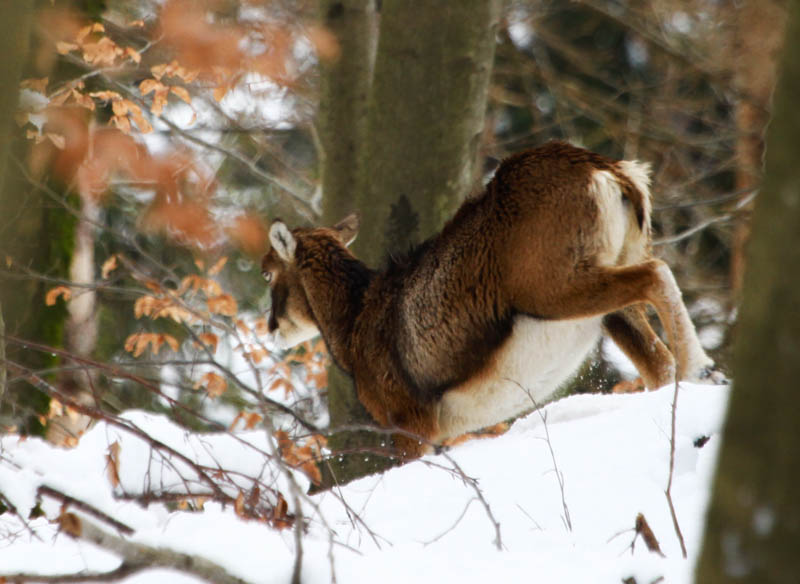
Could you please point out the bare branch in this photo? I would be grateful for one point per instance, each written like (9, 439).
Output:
(115, 575)
(67, 500)
(559, 475)
(135, 557)
(668, 491)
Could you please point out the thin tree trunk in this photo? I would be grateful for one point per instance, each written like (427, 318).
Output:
(80, 334)
(753, 522)
(14, 37)
(759, 33)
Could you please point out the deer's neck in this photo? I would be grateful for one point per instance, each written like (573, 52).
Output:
(335, 292)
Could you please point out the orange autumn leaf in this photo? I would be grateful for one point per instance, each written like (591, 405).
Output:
(209, 339)
(112, 463)
(70, 524)
(108, 266)
(133, 54)
(182, 93)
(38, 85)
(197, 283)
(303, 457)
(223, 304)
(325, 42)
(217, 267)
(137, 343)
(215, 385)
(252, 419)
(64, 47)
(262, 327)
(160, 308)
(249, 234)
(238, 505)
(54, 293)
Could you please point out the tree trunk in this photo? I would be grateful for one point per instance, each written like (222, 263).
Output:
(759, 33)
(80, 330)
(753, 522)
(14, 37)
(426, 116)
(408, 151)
(344, 96)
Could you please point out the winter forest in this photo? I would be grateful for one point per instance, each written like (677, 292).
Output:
(153, 430)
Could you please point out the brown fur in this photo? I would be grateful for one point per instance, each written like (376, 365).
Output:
(530, 246)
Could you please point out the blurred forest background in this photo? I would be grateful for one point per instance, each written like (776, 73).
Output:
(153, 141)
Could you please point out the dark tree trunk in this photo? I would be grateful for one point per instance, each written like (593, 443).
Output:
(753, 522)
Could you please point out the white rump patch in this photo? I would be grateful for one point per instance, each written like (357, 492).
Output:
(639, 175)
(612, 222)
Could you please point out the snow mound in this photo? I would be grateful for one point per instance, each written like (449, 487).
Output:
(429, 521)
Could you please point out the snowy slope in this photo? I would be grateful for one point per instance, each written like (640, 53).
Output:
(418, 523)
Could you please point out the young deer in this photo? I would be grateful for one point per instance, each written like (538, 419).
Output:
(493, 314)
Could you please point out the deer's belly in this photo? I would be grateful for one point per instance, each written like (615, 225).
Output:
(534, 362)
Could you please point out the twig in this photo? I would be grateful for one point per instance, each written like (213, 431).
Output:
(67, 500)
(668, 491)
(692, 230)
(454, 467)
(452, 527)
(708, 222)
(559, 475)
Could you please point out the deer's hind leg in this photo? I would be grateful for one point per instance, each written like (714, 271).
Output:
(581, 292)
(631, 331)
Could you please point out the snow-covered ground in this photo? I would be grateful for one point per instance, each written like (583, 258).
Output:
(418, 523)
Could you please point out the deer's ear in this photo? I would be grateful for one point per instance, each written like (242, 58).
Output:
(282, 241)
(348, 228)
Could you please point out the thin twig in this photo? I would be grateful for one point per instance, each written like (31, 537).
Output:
(453, 526)
(559, 475)
(85, 507)
(668, 491)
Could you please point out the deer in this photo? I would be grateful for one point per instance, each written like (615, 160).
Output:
(490, 317)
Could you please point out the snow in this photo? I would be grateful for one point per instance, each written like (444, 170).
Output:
(418, 523)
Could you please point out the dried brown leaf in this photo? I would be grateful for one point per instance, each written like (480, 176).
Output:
(252, 419)
(54, 293)
(223, 304)
(112, 463)
(39, 85)
(210, 340)
(108, 266)
(214, 384)
(182, 93)
(218, 265)
(70, 524)
(238, 505)
(64, 47)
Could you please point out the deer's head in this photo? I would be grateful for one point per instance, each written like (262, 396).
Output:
(298, 270)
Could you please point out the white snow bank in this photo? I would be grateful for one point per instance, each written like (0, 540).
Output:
(418, 523)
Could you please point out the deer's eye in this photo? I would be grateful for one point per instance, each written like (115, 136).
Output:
(267, 276)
